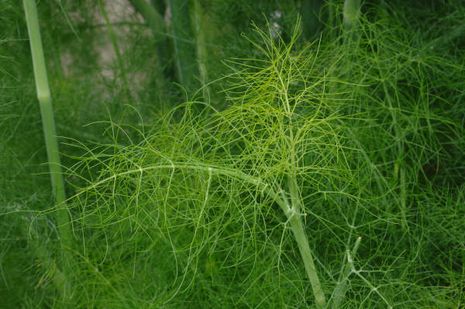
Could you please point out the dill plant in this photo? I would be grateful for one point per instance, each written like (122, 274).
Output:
(203, 192)
(261, 171)
(222, 188)
(360, 130)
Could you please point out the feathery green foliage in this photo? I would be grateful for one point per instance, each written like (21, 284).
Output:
(315, 170)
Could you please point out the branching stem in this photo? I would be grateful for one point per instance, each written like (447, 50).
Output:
(290, 210)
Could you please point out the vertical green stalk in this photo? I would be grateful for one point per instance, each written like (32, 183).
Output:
(331, 15)
(294, 215)
(48, 123)
(351, 13)
(183, 42)
(119, 58)
(293, 209)
(297, 227)
(152, 17)
(155, 22)
(199, 21)
(310, 12)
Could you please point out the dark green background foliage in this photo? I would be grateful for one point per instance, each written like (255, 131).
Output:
(161, 109)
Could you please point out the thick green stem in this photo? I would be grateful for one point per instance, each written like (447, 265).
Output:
(156, 24)
(183, 42)
(310, 12)
(199, 19)
(351, 13)
(153, 18)
(294, 216)
(298, 230)
(51, 142)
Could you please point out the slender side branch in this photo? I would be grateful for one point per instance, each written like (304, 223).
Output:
(341, 286)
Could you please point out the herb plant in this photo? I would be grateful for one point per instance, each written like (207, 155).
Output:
(223, 154)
